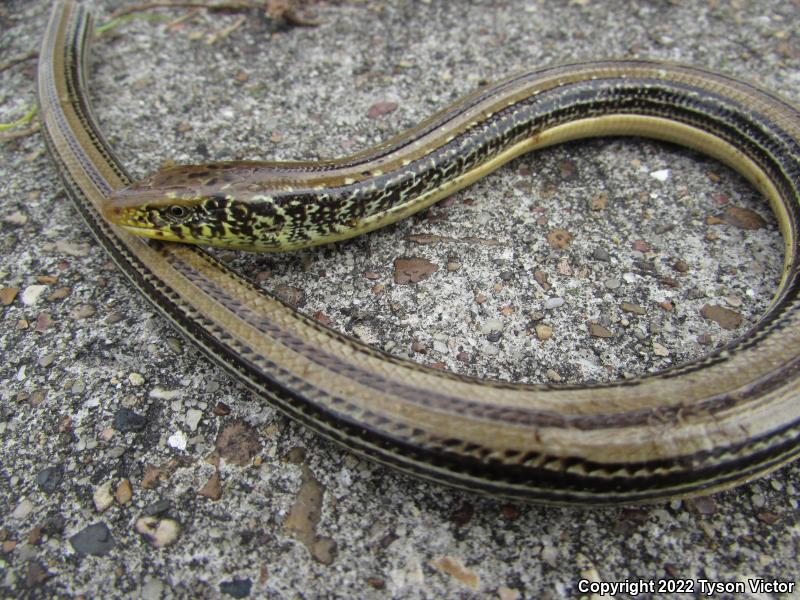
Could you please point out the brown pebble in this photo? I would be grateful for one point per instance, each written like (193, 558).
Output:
(744, 218)
(46, 279)
(462, 515)
(541, 279)
(35, 574)
(8, 546)
(667, 305)
(238, 443)
(7, 295)
(321, 317)
(114, 317)
(705, 505)
(457, 570)
(599, 201)
(681, 266)
(372, 275)
(543, 332)
(412, 270)
(480, 299)
(380, 109)
(212, 488)
(507, 310)
(419, 347)
(153, 475)
(464, 357)
(37, 397)
(769, 518)
(724, 317)
(35, 536)
(378, 289)
(376, 583)
(453, 266)
(567, 169)
(43, 321)
(712, 220)
(641, 246)
(597, 330)
(632, 308)
(293, 296)
(221, 409)
(670, 282)
(510, 512)
(124, 492)
(82, 311)
(559, 238)
(324, 550)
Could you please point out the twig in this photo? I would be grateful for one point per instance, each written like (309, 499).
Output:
(223, 33)
(229, 5)
(18, 59)
(24, 120)
(14, 135)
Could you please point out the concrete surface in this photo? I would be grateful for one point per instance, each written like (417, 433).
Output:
(132, 467)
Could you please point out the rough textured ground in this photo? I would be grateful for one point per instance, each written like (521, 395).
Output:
(118, 438)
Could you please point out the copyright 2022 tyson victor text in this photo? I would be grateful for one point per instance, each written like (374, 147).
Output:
(706, 587)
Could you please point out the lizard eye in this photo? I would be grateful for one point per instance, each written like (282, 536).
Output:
(177, 212)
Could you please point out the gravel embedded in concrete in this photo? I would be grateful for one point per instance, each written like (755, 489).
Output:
(673, 231)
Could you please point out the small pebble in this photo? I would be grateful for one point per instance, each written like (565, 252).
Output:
(193, 417)
(237, 588)
(681, 266)
(126, 420)
(380, 109)
(7, 295)
(159, 532)
(724, 317)
(601, 255)
(559, 238)
(82, 311)
(661, 175)
(95, 539)
(544, 332)
(597, 330)
(553, 375)
(31, 294)
(660, 350)
(16, 218)
(136, 379)
(124, 492)
(492, 325)
(552, 303)
(22, 510)
(177, 440)
(46, 360)
(102, 497)
(49, 478)
(632, 308)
